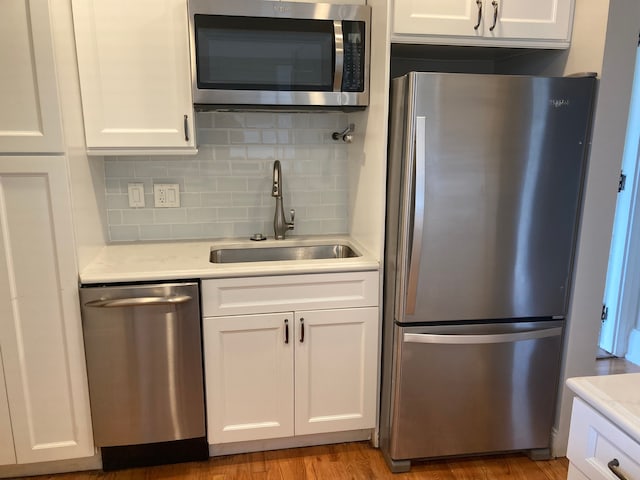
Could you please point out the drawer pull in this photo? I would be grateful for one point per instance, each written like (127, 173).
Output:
(614, 466)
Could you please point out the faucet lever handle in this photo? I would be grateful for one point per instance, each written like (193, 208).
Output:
(293, 216)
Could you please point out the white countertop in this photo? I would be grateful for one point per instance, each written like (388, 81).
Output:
(617, 397)
(190, 259)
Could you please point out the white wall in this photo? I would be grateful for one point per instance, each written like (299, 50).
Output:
(604, 40)
(86, 174)
(368, 152)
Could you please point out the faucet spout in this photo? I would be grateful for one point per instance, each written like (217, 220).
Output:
(280, 224)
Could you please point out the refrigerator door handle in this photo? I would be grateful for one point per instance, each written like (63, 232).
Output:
(418, 213)
(454, 339)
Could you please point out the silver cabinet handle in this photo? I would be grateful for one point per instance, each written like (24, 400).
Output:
(495, 15)
(186, 128)
(418, 213)
(614, 466)
(479, 3)
(339, 61)
(480, 339)
(138, 301)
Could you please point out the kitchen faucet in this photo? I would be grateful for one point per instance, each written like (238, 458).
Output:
(280, 224)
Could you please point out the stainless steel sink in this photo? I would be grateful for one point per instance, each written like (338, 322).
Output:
(272, 254)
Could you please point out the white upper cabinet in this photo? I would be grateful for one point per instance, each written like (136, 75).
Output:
(508, 23)
(135, 79)
(29, 110)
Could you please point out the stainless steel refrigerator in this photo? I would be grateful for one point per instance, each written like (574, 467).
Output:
(484, 192)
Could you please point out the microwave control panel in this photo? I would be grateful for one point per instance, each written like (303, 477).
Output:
(353, 73)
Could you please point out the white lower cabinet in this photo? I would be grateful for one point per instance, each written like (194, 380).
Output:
(7, 451)
(297, 372)
(248, 377)
(597, 447)
(44, 386)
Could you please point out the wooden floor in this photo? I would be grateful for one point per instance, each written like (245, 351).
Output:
(350, 461)
(613, 365)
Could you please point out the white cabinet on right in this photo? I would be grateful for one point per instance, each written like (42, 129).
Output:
(598, 449)
(503, 23)
(283, 364)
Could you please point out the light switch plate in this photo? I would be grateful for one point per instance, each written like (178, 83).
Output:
(166, 195)
(136, 194)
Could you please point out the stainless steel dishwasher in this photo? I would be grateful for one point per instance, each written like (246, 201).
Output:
(144, 362)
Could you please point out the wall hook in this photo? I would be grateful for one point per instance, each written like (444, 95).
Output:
(345, 135)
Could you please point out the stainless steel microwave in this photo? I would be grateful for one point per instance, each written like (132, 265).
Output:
(279, 55)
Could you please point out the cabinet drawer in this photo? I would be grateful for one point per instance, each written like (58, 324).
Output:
(594, 441)
(234, 296)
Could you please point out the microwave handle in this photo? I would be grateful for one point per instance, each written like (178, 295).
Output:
(339, 65)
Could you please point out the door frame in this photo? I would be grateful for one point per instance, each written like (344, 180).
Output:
(622, 290)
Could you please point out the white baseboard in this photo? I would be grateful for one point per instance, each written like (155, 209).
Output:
(289, 442)
(44, 468)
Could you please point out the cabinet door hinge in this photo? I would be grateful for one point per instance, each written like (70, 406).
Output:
(622, 182)
(605, 312)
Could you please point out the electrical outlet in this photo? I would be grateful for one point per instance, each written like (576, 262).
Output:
(136, 194)
(166, 195)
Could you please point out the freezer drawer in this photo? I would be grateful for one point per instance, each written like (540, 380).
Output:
(469, 389)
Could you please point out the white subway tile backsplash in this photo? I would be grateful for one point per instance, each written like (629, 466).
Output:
(170, 215)
(225, 190)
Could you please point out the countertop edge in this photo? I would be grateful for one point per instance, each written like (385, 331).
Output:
(178, 260)
(613, 409)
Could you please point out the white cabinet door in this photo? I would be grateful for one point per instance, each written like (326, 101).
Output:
(29, 111)
(133, 59)
(542, 19)
(484, 22)
(335, 373)
(7, 452)
(436, 17)
(40, 327)
(249, 377)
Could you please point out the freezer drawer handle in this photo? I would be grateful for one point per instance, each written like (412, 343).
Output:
(138, 301)
(477, 339)
(614, 466)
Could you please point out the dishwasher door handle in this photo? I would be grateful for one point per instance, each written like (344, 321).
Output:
(461, 339)
(138, 301)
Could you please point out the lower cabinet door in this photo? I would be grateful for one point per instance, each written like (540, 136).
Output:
(335, 370)
(598, 448)
(7, 451)
(40, 327)
(249, 377)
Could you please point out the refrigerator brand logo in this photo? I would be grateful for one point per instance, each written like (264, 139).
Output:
(559, 102)
(281, 8)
